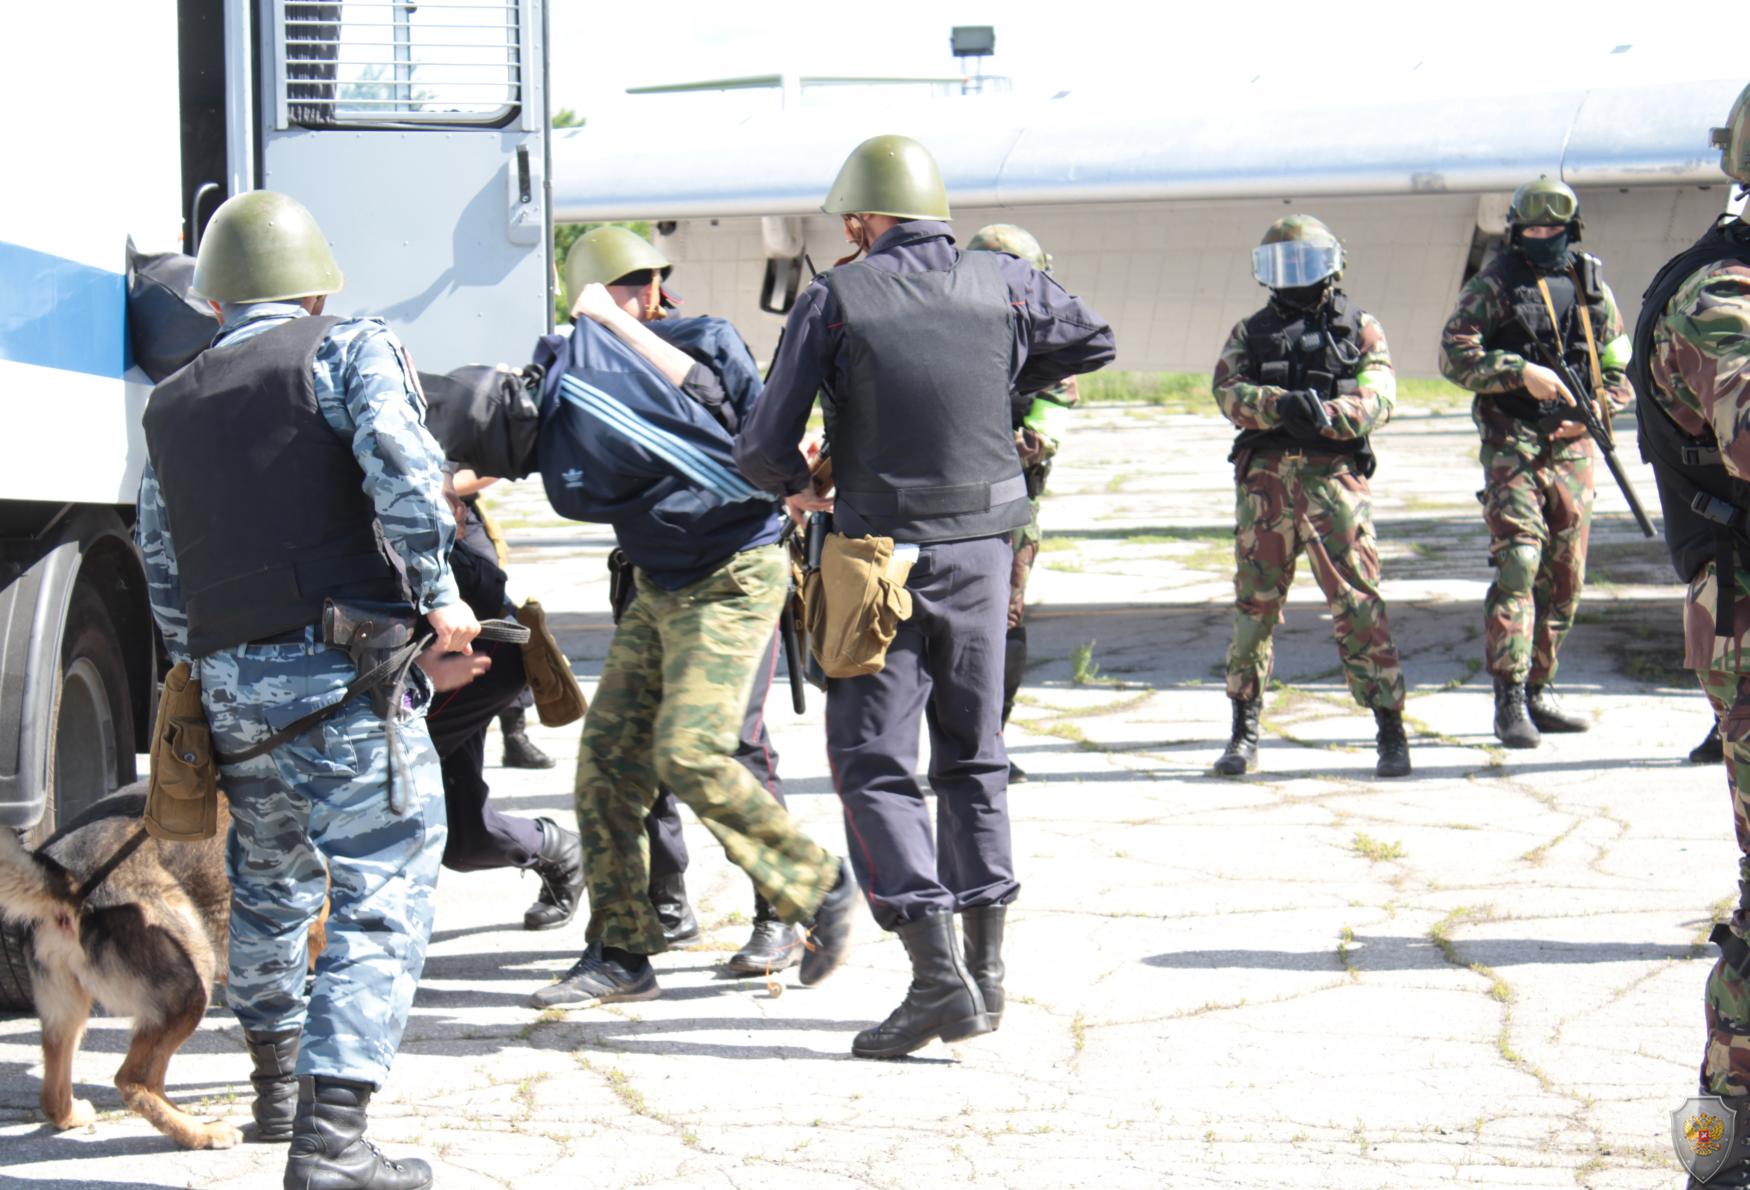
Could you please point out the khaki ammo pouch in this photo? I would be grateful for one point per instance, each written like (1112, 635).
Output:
(855, 603)
(558, 698)
(182, 794)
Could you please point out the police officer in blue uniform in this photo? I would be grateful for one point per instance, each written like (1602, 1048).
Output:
(917, 350)
(286, 462)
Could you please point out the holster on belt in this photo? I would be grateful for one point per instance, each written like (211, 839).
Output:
(855, 602)
(558, 698)
(368, 635)
(182, 792)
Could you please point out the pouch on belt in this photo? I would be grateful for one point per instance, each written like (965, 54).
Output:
(182, 792)
(855, 602)
(558, 698)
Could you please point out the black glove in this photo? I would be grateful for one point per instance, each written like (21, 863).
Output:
(1301, 412)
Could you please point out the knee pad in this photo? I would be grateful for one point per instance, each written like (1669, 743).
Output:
(1516, 568)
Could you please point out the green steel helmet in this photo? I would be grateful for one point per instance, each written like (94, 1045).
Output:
(1296, 251)
(605, 254)
(1016, 241)
(263, 246)
(889, 175)
(1545, 203)
(1733, 141)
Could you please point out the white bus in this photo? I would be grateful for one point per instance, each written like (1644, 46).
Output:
(415, 131)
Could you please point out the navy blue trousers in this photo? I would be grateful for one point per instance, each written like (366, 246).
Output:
(480, 836)
(668, 849)
(945, 666)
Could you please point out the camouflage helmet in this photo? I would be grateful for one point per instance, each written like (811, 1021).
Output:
(1296, 251)
(1016, 241)
(605, 254)
(1733, 141)
(263, 246)
(1545, 203)
(889, 175)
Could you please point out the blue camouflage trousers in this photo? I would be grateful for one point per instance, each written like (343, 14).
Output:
(311, 819)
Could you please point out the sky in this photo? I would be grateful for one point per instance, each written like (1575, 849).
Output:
(1131, 52)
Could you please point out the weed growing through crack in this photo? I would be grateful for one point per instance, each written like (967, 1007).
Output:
(1376, 850)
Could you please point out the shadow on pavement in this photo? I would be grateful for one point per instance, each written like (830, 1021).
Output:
(1382, 952)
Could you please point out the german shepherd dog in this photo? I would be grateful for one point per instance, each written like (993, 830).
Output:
(146, 940)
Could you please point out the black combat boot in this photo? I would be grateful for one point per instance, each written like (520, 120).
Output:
(1394, 747)
(1710, 750)
(519, 750)
(329, 1149)
(275, 1057)
(1242, 750)
(668, 896)
(1548, 714)
(772, 947)
(560, 867)
(942, 1001)
(1512, 726)
(984, 955)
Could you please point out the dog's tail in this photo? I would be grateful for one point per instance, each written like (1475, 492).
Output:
(34, 889)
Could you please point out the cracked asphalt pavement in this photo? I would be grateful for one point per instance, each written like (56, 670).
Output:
(1488, 974)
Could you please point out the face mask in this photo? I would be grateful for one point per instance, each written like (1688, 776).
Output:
(1303, 297)
(1551, 253)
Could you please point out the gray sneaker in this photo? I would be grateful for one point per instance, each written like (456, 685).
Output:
(596, 979)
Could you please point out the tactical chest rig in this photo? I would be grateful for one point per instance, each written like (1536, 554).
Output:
(1295, 349)
(1538, 327)
(1705, 506)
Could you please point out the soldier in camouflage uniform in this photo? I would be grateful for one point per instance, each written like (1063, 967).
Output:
(1537, 457)
(250, 447)
(1692, 369)
(1040, 419)
(1306, 380)
(622, 446)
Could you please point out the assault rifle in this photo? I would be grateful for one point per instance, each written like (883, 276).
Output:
(1600, 431)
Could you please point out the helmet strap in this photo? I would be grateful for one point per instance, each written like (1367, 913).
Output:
(653, 309)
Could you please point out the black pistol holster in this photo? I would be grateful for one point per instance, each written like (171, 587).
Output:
(369, 634)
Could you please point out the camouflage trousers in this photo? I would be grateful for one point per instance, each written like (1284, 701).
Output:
(1725, 1067)
(668, 710)
(1538, 507)
(1286, 504)
(311, 820)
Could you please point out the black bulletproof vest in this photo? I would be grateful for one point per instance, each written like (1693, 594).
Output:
(1293, 349)
(1527, 331)
(1684, 467)
(920, 425)
(267, 510)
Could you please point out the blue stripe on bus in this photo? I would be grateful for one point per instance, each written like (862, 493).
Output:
(58, 313)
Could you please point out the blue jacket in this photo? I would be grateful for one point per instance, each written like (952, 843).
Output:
(621, 445)
(716, 343)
